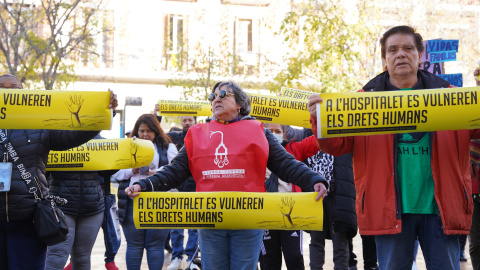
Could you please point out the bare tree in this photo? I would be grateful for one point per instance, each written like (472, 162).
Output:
(16, 20)
(42, 40)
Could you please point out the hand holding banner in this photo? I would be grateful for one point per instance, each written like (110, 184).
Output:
(386, 112)
(48, 109)
(95, 155)
(228, 210)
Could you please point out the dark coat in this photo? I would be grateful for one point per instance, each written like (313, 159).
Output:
(33, 146)
(178, 138)
(82, 190)
(339, 205)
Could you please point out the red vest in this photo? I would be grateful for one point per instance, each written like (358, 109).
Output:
(229, 157)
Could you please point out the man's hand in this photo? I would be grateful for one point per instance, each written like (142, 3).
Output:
(113, 100)
(312, 101)
(133, 191)
(321, 189)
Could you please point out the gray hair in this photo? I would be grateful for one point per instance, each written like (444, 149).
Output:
(241, 98)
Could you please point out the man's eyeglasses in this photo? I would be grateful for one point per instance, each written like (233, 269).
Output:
(222, 94)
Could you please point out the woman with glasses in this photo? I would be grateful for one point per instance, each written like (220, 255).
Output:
(231, 140)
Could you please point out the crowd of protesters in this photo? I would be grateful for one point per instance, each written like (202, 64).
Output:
(394, 198)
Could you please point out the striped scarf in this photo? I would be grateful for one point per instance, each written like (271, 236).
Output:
(236, 119)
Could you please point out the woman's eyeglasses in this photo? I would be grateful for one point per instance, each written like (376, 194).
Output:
(222, 94)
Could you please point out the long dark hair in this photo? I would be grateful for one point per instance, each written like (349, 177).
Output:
(151, 121)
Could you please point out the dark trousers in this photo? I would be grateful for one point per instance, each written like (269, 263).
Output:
(475, 235)
(317, 250)
(441, 252)
(20, 247)
(112, 243)
(276, 241)
(352, 260)
(369, 251)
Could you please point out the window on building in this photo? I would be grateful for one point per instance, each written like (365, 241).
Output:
(174, 42)
(243, 35)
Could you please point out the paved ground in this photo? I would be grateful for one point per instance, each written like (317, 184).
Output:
(99, 249)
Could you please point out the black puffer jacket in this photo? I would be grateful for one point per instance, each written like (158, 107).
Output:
(178, 138)
(81, 189)
(279, 162)
(32, 146)
(340, 203)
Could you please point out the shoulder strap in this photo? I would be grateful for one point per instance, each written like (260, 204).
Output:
(26, 176)
(30, 178)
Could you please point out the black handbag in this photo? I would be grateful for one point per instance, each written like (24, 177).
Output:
(50, 223)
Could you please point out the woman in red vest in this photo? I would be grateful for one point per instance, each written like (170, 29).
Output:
(232, 140)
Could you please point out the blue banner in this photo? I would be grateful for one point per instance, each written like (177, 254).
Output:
(440, 45)
(453, 79)
(438, 57)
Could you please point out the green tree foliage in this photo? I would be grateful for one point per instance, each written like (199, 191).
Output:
(328, 48)
(199, 68)
(324, 52)
(42, 42)
(196, 77)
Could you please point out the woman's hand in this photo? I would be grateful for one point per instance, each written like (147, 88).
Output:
(321, 189)
(312, 104)
(475, 74)
(133, 191)
(135, 170)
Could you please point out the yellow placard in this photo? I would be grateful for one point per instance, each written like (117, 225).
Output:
(368, 113)
(183, 107)
(48, 109)
(280, 110)
(111, 154)
(228, 210)
(295, 93)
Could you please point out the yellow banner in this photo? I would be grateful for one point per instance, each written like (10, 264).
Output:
(48, 109)
(228, 210)
(183, 107)
(368, 113)
(96, 155)
(295, 93)
(280, 110)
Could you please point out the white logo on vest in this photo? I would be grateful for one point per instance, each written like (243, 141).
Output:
(220, 157)
(221, 160)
